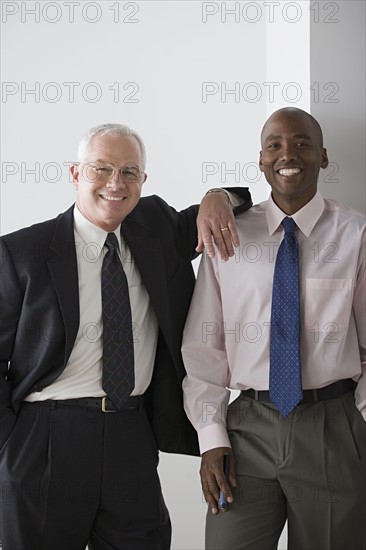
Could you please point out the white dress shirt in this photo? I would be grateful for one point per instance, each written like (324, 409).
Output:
(227, 334)
(82, 376)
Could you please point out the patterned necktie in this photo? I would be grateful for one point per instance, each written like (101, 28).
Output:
(285, 367)
(118, 379)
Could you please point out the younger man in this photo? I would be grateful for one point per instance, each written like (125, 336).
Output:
(283, 323)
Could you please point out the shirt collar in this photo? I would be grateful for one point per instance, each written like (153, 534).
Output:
(305, 218)
(92, 234)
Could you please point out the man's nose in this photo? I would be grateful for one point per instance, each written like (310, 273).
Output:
(289, 152)
(116, 180)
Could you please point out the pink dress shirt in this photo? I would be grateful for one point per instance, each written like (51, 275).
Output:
(227, 333)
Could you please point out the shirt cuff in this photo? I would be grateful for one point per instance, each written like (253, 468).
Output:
(213, 436)
(363, 412)
(233, 199)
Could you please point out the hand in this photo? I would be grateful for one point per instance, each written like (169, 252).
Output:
(213, 479)
(216, 219)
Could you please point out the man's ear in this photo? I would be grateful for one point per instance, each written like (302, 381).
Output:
(324, 162)
(260, 161)
(74, 170)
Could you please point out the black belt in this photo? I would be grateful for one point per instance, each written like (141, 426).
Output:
(103, 404)
(328, 392)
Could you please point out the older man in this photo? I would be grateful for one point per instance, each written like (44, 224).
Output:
(93, 304)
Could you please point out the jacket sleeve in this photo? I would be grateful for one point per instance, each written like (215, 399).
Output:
(10, 305)
(11, 300)
(184, 222)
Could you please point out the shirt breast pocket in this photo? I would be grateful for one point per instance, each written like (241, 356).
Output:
(327, 304)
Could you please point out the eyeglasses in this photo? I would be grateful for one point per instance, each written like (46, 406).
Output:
(130, 173)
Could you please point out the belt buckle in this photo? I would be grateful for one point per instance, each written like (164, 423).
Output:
(104, 409)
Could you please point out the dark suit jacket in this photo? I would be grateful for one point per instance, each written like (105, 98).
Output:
(39, 312)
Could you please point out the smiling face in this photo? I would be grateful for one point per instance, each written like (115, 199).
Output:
(106, 202)
(291, 157)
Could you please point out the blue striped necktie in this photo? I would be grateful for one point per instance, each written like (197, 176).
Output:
(285, 365)
(118, 377)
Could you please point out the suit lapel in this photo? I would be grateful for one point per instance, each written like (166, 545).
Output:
(63, 269)
(146, 251)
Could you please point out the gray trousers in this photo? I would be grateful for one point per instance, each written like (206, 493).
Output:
(307, 468)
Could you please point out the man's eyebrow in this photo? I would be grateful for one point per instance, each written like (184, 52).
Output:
(272, 136)
(296, 136)
(302, 136)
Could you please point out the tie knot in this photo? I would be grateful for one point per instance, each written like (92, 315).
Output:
(111, 242)
(289, 225)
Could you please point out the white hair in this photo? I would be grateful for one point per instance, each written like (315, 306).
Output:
(114, 130)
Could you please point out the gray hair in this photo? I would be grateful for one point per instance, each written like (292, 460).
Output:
(112, 129)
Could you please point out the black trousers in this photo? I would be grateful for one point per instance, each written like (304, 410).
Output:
(73, 476)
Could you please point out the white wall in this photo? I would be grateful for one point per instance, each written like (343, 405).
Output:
(166, 69)
(337, 66)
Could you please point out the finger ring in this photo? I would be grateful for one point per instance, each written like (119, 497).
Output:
(224, 229)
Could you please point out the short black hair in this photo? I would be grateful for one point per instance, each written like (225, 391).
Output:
(295, 110)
